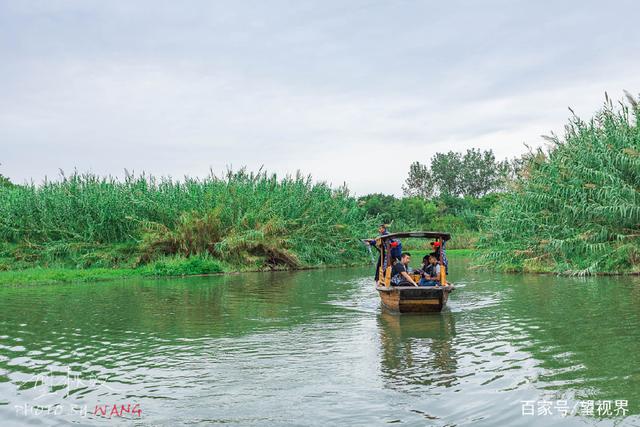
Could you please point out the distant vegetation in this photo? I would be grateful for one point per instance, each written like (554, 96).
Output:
(473, 174)
(454, 192)
(461, 216)
(575, 207)
(242, 221)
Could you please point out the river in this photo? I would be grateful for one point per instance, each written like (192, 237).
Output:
(315, 348)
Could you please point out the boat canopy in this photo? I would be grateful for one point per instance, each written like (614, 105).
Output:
(417, 234)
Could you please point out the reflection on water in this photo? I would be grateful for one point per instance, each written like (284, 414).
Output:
(315, 348)
(418, 349)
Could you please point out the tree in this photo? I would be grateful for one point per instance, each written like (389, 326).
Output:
(474, 174)
(446, 169)
(406, 213)
(481, 174)
(380, 205)
(416, 212)
(419, 182)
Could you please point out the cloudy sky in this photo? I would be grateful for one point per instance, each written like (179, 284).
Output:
(348, 91)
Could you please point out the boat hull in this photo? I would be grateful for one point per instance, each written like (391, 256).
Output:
(412, 299)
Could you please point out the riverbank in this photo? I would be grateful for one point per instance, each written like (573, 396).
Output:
(167, 267)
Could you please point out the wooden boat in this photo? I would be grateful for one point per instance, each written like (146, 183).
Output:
(411, 299)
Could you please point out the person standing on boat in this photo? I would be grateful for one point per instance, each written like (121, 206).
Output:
(431, 273)
(382, 230)
(400, 272)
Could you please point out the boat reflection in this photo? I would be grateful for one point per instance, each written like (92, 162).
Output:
(417, 349)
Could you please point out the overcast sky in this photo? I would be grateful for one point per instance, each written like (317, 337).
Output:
(348, 91)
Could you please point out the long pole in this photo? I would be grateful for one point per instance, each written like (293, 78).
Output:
(368, 245)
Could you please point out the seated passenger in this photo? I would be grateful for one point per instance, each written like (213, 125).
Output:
(400, 272)
(437, 247)
(431, 273)
(425, 264)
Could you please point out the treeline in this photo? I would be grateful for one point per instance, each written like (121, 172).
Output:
(473, 174)
(453, 192)
(462, 216)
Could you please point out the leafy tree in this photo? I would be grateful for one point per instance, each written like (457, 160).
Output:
(481, 173)
(446, 169)
(408, 212)
(471, 211)
(474, 173)
(416, 212)
(419, 183)
(380, 205)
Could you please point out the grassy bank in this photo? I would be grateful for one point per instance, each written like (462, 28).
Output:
(87, 228)
(166, 267)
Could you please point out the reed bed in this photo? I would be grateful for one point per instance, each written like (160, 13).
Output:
(242, 218)
(576, 207)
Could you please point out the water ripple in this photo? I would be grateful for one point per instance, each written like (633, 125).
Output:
(316, 346)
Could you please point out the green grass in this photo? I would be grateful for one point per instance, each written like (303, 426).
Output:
(463, 252)
(41, 276)
(166, 266)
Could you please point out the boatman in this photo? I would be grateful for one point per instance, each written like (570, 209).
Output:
(394, 244)
(382, 230)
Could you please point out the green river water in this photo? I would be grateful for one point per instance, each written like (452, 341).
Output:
(315, 348)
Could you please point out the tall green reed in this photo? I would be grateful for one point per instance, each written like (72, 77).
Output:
(576, 207)
(242, 217)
